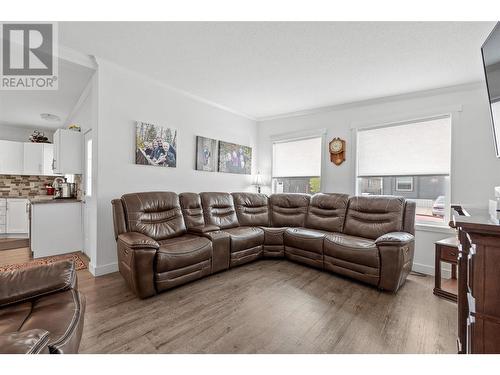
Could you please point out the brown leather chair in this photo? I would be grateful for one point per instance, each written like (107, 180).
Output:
(246, 241)
(41, 310)
(325, 214)
(164, 242)
(155, 251)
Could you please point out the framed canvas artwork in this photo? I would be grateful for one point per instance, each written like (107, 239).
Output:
(155, 145)
(206, 154)
(234, 158)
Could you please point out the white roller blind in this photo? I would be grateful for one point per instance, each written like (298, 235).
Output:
(297, 158)
(417, 148)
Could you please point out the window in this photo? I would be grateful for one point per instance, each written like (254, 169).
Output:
(410, 159)
(297, 166)
(404, 183)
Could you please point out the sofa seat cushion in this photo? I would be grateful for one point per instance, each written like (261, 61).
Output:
(243, 238)
(61, 314)
(306, 239)
(352, 249)
(274, 236)
(12, 317)
(182, 251)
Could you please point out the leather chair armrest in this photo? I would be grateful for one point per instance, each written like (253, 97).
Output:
(221, 249)
(201, 229)
(396, 250)
(136, 240)
(33, 341)
(394, 238)
(28, 283)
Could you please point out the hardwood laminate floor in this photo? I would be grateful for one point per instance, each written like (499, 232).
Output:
(269, 306)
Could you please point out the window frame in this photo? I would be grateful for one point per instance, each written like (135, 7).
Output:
(299, 136)
(398, 180)
(452, 112)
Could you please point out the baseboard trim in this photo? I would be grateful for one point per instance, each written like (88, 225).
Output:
(429, 270)
(104, 269)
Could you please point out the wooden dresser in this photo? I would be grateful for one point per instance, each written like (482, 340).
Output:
(478, 283)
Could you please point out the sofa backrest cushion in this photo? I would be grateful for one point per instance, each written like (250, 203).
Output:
(327, 212)
(218, 209)
(191, 209)
(409, 218)
(251, 208)
(374, 215)
(155, 214)
(288, 210)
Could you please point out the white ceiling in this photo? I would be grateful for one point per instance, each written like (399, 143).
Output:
(23, 108)
(268, 68)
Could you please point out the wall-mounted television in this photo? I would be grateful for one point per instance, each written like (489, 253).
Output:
(491, 61)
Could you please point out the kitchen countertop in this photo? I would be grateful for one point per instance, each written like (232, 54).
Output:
(52, 200)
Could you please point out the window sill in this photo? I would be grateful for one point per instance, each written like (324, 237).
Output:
(436, 228)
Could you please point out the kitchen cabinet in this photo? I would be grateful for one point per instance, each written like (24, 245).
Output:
(38, 159)
(3, 215)
(56, 227)
(68, 150)
(11, 157)
(17, 213)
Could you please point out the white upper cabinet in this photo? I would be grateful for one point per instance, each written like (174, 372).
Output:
(38, 159)
(11, 157)
(68, 146)
(33, 159)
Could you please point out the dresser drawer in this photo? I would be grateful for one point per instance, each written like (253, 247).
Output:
(449, 253)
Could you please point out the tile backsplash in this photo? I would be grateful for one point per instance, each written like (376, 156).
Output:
(24, 186)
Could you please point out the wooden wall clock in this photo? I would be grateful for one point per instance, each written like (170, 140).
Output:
(337, 151)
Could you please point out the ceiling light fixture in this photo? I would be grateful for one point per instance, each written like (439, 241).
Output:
(50, 117)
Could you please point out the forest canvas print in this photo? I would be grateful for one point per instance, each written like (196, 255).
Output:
(234, 158)
(206, 154)
(155, 145)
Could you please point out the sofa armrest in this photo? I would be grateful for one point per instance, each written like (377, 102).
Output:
(136, 256)
(396, 251)
(394, 238)
(201, 229)
(136, 240)
(33, 341)
(28, 283)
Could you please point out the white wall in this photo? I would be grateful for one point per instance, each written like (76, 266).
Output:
(85, 115)
(475, 169)
(20, 133)
(126, 97)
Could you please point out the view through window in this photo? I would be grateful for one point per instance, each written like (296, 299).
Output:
(411, 160)
(297, 166)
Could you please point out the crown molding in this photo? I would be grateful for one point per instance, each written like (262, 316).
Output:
(381, 100)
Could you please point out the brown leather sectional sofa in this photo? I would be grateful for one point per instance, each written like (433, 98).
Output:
(165, 240)
(41, 310)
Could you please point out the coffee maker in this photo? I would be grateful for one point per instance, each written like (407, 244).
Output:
(63, 189)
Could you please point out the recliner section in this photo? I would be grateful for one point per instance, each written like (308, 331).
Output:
(165, 240)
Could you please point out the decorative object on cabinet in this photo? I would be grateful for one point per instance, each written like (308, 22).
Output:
(234, 158)
(337, 151)
(68, 150)
(478, 283)
(206, 154)
(447, 252)
(155, 145)
(75, 128)
(38, 137)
